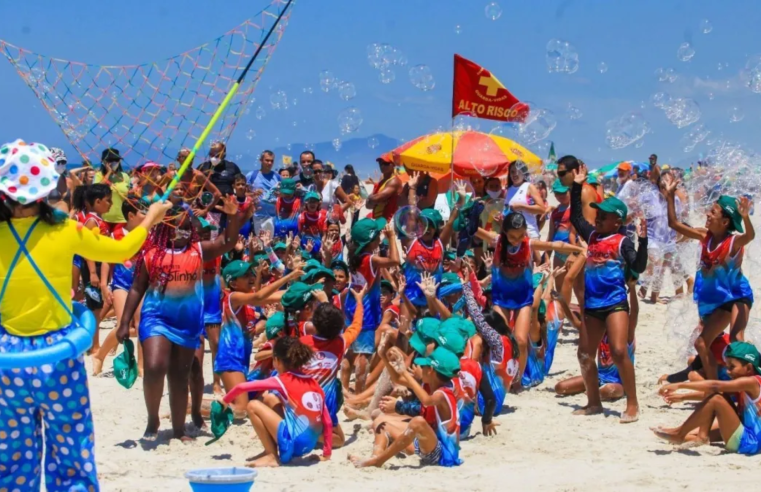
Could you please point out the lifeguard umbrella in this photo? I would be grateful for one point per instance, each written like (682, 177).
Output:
(471, 153)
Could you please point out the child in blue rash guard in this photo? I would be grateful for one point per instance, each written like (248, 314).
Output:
(722, 292)
(544, 332)
(606, 306)
(739, 428)
(365, 267)
(512, 281)
(238, 323)
(274, 328)
(212, 301)
(435, 434)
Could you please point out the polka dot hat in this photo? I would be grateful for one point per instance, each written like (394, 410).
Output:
(27, 171)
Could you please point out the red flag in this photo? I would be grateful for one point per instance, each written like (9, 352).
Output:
(478, 93)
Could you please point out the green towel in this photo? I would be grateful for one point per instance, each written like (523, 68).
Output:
(125, 365)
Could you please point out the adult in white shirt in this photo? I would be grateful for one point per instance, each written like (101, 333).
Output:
(522, 196)
(329, 188)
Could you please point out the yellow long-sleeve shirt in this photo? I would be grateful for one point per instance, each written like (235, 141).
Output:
(28, 308)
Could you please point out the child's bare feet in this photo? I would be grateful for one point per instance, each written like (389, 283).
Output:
(97, 366)
(352, 414)
(630, 415)
(588, 410)
(360, 462)
(669, 435)
(218, 389)
(266, 461)
(256, 457)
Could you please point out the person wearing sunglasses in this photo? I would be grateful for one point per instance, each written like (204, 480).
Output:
(568, 168)
(384, 199)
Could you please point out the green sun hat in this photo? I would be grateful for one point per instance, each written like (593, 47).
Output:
(315, 274)
(451, 339)
(275, 324)
(592, 179)
(261, 257)
(746, 353)
(298, 295)
(425, 333)
(221, 420)
(450, 255)
(205, 224)
(313, 195)
(558, 187)
(385, 284)
(612, 205)
(280, 246)
(288, 186)
(236, 269)
(365, 231)
(729, 206)
(465, 327)
(442, 361)
(450, 278)
(125, 365)
(433, 216)
(312, 264)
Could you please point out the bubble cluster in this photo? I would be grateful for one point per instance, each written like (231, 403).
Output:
(625, 130)
(561, 57)
(384, 57)
(752, 73)
(660, 99)
(667, 75)
(422, 78)
(693, 137)
(493, 11)
(682, 112)
(337, 144)
(538, 125)
(685, 52)
(349, 120)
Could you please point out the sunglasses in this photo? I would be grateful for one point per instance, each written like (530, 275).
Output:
(318, 171)
(562, 173)
(384, 163)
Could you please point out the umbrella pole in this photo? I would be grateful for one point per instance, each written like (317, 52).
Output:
(451, 166)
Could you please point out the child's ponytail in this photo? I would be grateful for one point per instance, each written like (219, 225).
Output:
(292, 352)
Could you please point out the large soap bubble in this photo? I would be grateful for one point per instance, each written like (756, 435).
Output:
(685, 52)
(561, 57)
(349, 120)
(625, 130)
(538, 125)
(682, 112)
(422, 78)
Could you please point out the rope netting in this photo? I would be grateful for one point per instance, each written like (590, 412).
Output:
(150, 111)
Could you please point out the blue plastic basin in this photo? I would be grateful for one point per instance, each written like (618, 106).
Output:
(223, 479)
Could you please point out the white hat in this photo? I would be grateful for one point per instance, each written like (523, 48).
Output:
(27, 171)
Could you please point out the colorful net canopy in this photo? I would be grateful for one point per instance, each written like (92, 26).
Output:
(150, 111)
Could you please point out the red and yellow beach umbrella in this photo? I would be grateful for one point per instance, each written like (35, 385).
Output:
(471, 153)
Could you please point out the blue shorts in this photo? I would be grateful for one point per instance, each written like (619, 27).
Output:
(497, 386)
(334, 399)
(51, 401)
(78, 261)
(184, 338)
(429, 459)
(291, 443)
(285, 226)
(121, 279)
(608, 375)
(534, 372)
(467, 415)
(365, 343)
(233, 354)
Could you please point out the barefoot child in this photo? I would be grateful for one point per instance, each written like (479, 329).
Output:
(740, 428)
(302, 417)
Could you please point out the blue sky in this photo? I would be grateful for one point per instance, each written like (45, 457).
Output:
(632, 38)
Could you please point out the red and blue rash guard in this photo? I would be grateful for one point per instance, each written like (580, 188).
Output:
(512, 280)
(262, 368)
(212, 292)
(604, 273)
(606, 369)
(175, 313)
(365, 275)
(561, 221)
(122, 273)
(466, 390)
(102, 226)
(720, 279)
(422, 258)
(313, 224)
(448, 431)
(235, 337)
(750, 415)
(306, 416)
(287, 208)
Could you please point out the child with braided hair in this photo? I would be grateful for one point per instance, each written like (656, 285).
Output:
(169, 274)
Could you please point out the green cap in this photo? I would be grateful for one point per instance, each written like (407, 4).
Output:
(537, 280)
(205, 224)
(612, 205)
(298, 295)
(557, 187)
(313, 195)
(315, 274)
(288, 186)
(275, 324)
(442, 361)
(450, 278)
(451, 339)
(433, 216)
(312, 264)
(260, 257)
(385, 284)
(470, 254)
(745, 352)
(236, 269)
(729, 206)
(365, 231)
(279, 246)
(425, 333)
(125, 365)
(465, 327)
(221, 420)
(450, 255)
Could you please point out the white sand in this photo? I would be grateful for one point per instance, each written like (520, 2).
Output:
(540, 445)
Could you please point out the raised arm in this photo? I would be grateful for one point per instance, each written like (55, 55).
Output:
(489, 334)
(670, 185)
(581, 224)
(743, 207)
(261, 297)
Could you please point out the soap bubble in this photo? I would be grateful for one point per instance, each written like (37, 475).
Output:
(307, 90)
(464, 122)
(667, 75)
(625, 130)
(349, 120)
(736, 114)
(279, 100)
(327, 79)
(386, 76)
(693, 137)
(574, 113)
(753, 73)
(250, 134)
(602, 67)
(346, 91)
(422, 78)
(640, 143)
(538, 125)
(706, 26)
(372, 142)
(660, 99)
(561, 57)
(682, 112)
(260, 113)
(493, 11)
(409, 224)
(685, 52)
(337, 144)
(457, 29)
